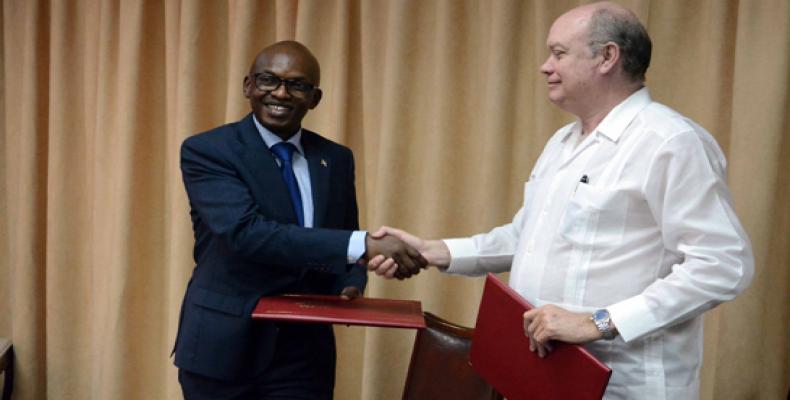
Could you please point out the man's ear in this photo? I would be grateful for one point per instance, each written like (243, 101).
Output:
(317, 93)
(611, 55)
(246, 86)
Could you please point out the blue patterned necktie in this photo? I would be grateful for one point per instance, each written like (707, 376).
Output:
(284, 151)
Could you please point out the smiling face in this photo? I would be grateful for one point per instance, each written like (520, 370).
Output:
(571, 68)
(281, 110)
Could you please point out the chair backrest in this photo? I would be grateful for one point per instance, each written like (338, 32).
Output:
(440, 367)
(7, 367)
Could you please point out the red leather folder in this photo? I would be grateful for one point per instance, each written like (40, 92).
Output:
(500, 354)
(335, 310)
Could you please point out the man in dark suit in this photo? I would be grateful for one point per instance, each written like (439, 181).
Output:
(274, 211)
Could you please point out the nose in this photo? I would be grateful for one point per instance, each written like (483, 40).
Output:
(547, 68)
(280, 91)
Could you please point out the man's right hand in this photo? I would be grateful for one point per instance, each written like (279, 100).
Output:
(408, 261)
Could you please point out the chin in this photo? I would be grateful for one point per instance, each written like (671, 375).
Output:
(275, 123)
(555, 98)
(281, 129)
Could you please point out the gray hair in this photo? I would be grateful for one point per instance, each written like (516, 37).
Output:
(627, 32)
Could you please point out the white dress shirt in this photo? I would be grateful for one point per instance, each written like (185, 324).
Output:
(652, 237)
(356, 244)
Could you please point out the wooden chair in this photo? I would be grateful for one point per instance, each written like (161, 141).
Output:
(7, 367)
(440, 367)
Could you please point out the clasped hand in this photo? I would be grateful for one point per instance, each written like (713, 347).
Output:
(432, 252)
(406, 259)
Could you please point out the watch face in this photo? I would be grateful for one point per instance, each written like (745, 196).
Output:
(603, 323)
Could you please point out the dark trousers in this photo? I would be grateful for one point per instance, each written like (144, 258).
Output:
(303, 367)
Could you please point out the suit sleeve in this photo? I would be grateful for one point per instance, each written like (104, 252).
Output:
(357, 275)
(225, 206)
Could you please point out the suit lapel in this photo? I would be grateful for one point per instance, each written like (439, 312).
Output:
(260, 162)
(320, 166)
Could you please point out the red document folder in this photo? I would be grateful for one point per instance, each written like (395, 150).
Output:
(335, 310)
(500, 354)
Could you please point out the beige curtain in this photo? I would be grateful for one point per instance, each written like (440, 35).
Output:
(443, 104)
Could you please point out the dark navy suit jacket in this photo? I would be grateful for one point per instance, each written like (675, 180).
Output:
(248, 244)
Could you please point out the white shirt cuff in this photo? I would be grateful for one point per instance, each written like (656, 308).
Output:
(632, 318)
(463, 256)
(356, 246)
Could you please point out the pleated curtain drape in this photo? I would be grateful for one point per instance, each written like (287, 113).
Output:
(445, 109)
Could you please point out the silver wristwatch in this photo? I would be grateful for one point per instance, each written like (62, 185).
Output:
(604, 324)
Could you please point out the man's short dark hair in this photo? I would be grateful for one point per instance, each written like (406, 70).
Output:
(628, 33)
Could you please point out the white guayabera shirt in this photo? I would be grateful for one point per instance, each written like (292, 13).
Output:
(651, 236)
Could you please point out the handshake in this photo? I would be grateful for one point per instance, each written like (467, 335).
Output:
(393, 253)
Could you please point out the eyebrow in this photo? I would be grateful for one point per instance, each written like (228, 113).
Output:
(554, 46)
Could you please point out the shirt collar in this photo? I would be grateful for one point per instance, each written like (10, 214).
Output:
(271, 139)
(617, 120)
(572, 129)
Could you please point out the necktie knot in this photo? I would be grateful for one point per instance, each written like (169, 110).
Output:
(284, 151)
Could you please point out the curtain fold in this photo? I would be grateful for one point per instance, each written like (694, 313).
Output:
(445, 108)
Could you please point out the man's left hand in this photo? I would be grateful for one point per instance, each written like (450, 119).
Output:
(550, 322)
(350, 293)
